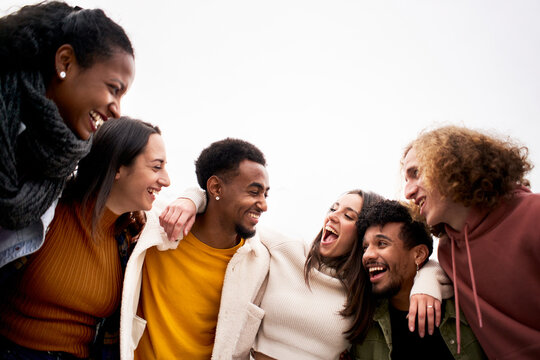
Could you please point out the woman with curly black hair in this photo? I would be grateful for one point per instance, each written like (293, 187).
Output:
(471, 188)
(63, 71)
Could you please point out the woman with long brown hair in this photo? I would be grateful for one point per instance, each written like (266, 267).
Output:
(54, 304)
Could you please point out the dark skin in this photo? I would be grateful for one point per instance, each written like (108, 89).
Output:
(84, 95)
(242, 199)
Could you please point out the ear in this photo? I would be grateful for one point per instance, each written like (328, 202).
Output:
(421, 254)
(214, 186)
(119, 173)
(65, 59)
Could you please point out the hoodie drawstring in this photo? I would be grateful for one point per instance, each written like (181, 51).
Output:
(473, 282)
(456, 298)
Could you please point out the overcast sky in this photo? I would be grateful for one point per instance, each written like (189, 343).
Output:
(331, 91)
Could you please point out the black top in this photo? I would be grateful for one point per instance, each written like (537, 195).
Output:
(409, 345)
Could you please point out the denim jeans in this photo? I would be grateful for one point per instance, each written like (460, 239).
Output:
(11, 351)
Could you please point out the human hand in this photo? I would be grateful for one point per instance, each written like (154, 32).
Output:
(177, 216)
(424, 306)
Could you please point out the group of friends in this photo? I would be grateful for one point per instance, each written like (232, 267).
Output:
(91, 268)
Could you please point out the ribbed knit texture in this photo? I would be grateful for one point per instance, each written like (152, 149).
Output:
(71, 282)
(299, 322)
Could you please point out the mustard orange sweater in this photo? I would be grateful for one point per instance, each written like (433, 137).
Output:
(71, 282)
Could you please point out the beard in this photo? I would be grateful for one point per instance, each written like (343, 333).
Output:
(243, 232)
(388, 291)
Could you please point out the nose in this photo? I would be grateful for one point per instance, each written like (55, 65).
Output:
(369, 254)
(333, 216)
(410, 190)
(164, 179)
(114, 109)
(263, 206)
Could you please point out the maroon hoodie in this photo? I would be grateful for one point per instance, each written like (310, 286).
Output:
(498, 282)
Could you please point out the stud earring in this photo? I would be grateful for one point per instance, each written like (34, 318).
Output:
(62, 75)
(217, 198)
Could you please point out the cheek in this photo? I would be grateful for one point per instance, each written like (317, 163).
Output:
(348, 247)
(350, 238)
(434, 205)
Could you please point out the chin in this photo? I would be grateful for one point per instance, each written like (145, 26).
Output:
(83, 134)
(244, 232)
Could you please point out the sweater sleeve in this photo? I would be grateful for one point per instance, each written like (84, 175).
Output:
(198, 196)
(432, 280)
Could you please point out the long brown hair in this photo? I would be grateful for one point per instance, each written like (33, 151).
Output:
(350, 272)
(116, 143)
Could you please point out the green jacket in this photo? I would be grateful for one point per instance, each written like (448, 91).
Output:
(378, 342)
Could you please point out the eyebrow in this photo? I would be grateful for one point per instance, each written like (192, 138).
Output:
(378, 236)
(382, 236)
(347, 208)
(259, 185)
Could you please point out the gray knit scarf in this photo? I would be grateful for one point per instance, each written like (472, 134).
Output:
(35, 164)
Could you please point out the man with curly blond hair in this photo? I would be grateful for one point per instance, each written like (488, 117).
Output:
(471, 188)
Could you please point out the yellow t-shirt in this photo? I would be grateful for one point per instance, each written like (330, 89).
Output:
(180, 296)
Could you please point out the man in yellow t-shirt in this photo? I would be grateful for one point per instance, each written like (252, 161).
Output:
(181, 288)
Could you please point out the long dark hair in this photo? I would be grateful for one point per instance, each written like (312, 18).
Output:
(30, 37)
(350, 272)
(116, 143)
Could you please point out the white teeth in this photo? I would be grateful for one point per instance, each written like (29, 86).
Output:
(328, 228)
(421, 202)
(152, 191)
(376, 268)
(255, 216)
(96, 117)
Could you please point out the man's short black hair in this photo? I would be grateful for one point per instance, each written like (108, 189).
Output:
(222, 158)
(412, 232)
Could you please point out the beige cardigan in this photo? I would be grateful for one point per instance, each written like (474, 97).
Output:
(238, 319)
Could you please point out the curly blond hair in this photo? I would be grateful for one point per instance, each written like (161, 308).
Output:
(470, 167)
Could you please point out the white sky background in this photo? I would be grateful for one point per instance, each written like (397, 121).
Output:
(330, 91)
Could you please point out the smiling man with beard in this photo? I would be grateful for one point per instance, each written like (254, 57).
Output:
(179, 309)
(395, 247)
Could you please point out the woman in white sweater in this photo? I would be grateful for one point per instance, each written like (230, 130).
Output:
(314, 300)
(308, 286)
